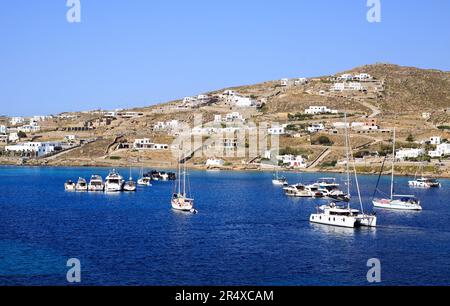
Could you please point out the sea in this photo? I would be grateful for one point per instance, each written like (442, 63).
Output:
(246, 232)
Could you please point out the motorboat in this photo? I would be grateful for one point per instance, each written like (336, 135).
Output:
(69, 186)
(301, 191)
(114, 182)
(96, 183)
(81, 185)
(130, 185)
(424, 183)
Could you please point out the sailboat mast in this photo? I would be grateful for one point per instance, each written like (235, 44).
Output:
(184, 178)
(347, 156)
(179, 173)
(393, 166)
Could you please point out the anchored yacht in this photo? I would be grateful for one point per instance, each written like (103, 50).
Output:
(114, 182)
(96, 183)
(424, 183)
(81, 185)
(180, 199)
(69, 186)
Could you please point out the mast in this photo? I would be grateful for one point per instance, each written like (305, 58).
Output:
(184, 178)
(347, 156)
(179, 173)
(393, 166)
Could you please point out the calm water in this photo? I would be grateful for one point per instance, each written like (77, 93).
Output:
(246, 233)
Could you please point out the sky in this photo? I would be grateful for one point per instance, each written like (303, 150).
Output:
(133, 53)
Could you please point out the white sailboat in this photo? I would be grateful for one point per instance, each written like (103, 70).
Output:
(397, 202)
(130, 185)
(343, 215)
(180, 199)
(144, 180)
(278, 180)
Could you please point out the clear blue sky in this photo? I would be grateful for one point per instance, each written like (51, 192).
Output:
(128, 53)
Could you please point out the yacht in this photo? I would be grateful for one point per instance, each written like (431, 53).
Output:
(96, 183)
(114, 182)
(81, 185)
(145, 179)
(180, 199)
(69, 186)
(398, 202)
(302, 191)
(424, 183)
(344, 216)
(330, 189)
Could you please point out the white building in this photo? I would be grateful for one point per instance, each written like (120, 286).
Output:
(40, 148)
(284, 82)
(291, 161)
(315, 110)
(17, 120)
(147, 144)
(70, 138)
(351, 86)
(13, 137)
(441, 151)
(363, 77)
(33, 127)
(244, 101)
(3, 129)
(435, 140)
(214, 162)
(169, 125)
(315, 128)
(345, 77)
(409, 153)
(235, 116)
(276, 130)
(301, 81)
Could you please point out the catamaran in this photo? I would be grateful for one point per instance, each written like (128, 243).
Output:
(180, 199)
(343, 215)
(398, 202)
(114, 182)
(81, 185)
(96, 183)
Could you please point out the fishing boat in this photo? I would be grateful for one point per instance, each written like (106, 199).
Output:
(96, 183)
(114, 182)
(424, 182)
(180, 199)
(81, 185)
(278, 180)
(130, 185)
(344, 215)
(396, 202)
(69, 186)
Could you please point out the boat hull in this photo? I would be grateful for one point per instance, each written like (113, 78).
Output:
(396, 205)
(339, 221)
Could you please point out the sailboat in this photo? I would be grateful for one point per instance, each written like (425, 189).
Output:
(343, 215)
(130, 185)
(398, 202)
(278, 180)
(143, 179)
(180, 199)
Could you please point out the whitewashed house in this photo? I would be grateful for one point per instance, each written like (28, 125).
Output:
(345, 77)
(441, 151)
(363, 77)
(315, 128)
(301, 81)
(244, 102)
(276, 130)
(70, 138)
(17, 120)
(435, 140)
(39, 148)
(404, 154)
(291, 161)
(13, 137)
(33, 127)
(315, 110)
(3, 129)
(215, 162)
(147, 144)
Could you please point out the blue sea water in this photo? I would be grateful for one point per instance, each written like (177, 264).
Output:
(247, 232)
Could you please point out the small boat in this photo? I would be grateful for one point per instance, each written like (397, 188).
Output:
(114, 182)
(330, 189)
(279, 180)
(130, 185)
(180, 199)
(424, 183)
(96, 183)
(397, 202)
(145, 179)
(69, 186)
(81, 185)
(299, 191)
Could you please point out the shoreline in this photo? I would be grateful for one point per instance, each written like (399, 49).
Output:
(224, 169)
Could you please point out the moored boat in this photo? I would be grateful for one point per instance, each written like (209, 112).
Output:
(81, 185)
(114, 182)
(96, 183)
(69, 186)
(424, 182)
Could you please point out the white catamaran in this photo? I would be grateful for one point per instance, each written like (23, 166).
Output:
(343, 215)
(397, 202)
(180, 199)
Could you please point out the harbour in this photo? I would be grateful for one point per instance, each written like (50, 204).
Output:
(246, 232)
